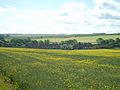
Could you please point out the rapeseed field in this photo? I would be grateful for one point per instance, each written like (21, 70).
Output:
(43, 69)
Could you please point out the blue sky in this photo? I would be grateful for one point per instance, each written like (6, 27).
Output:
(32, 4)
(39, 4)
(59, 16)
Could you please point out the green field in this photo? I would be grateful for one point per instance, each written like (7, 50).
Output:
(4, 85)
(39, 69)
(82, 38)
(86, 38)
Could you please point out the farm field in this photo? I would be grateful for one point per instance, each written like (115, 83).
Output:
(4, 85)
(91, 38)
(84, 38)
(40, 69)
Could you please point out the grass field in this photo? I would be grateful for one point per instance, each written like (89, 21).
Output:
(36, 69)
(91, 38)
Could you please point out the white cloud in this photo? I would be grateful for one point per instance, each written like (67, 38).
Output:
(108, 12)
(10, 9)
(73, 7)
(72, 17)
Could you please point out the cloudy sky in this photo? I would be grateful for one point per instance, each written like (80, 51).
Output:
(60, 16)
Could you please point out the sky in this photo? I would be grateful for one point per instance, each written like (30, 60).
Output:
(59, 16)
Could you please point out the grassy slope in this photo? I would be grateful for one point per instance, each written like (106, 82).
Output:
(91, 39)
(35, 69)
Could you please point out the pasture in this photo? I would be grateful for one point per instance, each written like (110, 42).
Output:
(40, 69)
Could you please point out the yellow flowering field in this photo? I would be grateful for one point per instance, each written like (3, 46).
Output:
(43, 69)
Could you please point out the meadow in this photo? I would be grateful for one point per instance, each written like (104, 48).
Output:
(40, 69)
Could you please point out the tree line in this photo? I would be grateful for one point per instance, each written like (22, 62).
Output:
(65, 45)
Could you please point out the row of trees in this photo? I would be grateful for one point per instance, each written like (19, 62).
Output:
(108, 43)
(66, 45)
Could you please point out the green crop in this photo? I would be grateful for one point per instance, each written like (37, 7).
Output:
(40, 69)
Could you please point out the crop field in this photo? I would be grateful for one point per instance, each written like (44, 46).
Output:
(91, 38)
(84, 38)
(40, 69)
(4, 85)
